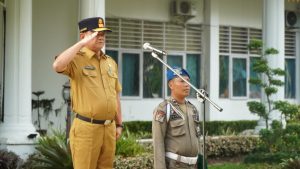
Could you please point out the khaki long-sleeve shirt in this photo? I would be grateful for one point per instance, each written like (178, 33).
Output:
(94, 85)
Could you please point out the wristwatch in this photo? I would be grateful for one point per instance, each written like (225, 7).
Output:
(120, 125)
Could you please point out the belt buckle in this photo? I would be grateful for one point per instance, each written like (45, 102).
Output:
(107, 122)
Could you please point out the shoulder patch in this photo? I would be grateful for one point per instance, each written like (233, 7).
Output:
(159, 116)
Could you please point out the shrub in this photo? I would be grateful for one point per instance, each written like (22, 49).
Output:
(143, 129)
(127, 145)
(271, 140)
(52, 153)
(261, 157)
(144, 161)
(228, 146)
(278, 139)
(138, 126)
(291, 163)
(29, 163)
(218, 127)
(9, 160)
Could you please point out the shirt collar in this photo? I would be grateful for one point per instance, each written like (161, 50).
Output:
(89, 53)
(175, 102)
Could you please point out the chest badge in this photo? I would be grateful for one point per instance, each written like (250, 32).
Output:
(110, 72)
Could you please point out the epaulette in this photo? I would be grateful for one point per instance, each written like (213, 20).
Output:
(191, 104)
(107, 56)
(164, 103)
(160, 111)
(80, 53)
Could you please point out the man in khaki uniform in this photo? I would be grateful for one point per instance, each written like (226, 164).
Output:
(95, 97)
(175, 127)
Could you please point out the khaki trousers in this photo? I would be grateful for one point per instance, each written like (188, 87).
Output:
(92, 145)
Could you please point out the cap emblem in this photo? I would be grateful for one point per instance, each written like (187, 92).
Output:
(177, 71)
(100, 23)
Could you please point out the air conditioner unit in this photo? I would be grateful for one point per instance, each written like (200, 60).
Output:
(181, 7)
(292, 19)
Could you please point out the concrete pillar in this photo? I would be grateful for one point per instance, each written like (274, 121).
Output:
(210, 56)
(91, 8)
(17, 124)
(273, 37)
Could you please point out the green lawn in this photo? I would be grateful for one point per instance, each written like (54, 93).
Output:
(243, 166)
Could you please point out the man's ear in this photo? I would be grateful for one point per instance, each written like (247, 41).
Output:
(81, 35)
(170, 84)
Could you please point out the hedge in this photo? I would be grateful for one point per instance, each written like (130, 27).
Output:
(212, 128)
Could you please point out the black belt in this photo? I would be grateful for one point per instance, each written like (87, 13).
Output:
(94, 121)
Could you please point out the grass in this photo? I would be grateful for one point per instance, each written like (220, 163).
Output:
(243, 166)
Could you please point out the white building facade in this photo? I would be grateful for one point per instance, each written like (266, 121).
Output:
(209, 39)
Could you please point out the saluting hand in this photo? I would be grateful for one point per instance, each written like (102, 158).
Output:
(88, 37)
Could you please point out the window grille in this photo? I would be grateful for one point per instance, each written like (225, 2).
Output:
(112, 38)
(290, 43)
(132, 33)
(224, 39)
(174, 37)
(193, 37)
(153, 33)
(239, 40)
(255, 34)
(236, 39)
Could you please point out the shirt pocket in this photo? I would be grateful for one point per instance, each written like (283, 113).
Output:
(90, 78)
(112, 80)
(177, 128)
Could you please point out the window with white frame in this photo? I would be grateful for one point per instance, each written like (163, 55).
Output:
(290, 65)
(236, 63)
(141, 74)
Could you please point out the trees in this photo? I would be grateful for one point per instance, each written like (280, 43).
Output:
(268, 80)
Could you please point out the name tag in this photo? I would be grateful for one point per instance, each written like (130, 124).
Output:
(89, 67)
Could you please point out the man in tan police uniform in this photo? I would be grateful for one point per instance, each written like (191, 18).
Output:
(175, 127)
(95, 97)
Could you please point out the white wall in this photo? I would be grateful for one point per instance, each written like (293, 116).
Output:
(232, 12)
(54, 29)
(154, 10)
(243, 13)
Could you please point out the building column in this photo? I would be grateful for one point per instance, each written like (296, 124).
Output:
(273, 37)
(17, 124)
(91, 8)
(210, 56)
